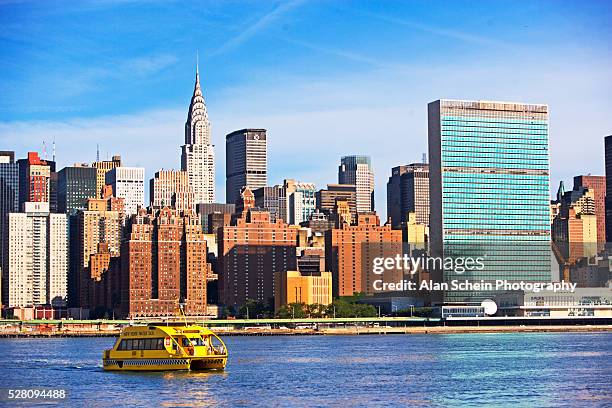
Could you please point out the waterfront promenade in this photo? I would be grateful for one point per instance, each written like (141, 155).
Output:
(340, 326)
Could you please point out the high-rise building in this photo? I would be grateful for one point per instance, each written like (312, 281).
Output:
(34, 175)
(127, 183)
(395, 212)
(213, 208)
(272, 199)
(37, 257)
(350, 251)
(198, 152)
(326, 198)
(574, 228)
(171, 188)
(74, 186)
(246, 163)
(293, 202)
(597, 184)
(102, 167)
(102, 222)
(301, 201)
(53, 185)
(408, 191)
(489, 191)
(251, 250)
(358, 170)
(9, 203)
(163, 264)
(608, 159)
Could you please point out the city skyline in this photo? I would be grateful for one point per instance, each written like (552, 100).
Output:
(318, 90)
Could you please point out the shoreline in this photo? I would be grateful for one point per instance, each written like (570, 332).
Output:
(341, 331)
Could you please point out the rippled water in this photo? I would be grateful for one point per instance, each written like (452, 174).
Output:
(527, 369)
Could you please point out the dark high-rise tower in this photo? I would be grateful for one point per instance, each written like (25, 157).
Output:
(9, 203)
(246, 162)
(608, 152)
(75, 185)
(408, 191)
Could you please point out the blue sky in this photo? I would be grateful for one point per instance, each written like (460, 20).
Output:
(326, 78)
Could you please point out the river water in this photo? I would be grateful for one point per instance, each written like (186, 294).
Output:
(514, 370)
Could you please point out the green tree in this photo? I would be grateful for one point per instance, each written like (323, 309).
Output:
(253, 309)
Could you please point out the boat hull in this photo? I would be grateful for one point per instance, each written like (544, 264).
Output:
(165, 364)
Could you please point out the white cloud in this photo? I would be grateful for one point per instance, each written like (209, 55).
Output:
(255, 28)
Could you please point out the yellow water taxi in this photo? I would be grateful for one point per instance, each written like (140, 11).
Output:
(157, 348)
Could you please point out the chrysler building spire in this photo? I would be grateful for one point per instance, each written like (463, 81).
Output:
(198, 157)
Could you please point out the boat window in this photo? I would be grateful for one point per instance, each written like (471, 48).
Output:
(160, 344)
(198, 341)
(186, 342)
(126, 344)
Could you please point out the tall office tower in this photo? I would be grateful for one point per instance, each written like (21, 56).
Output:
(608, 158)
(575, 227)
(102, 222)
(37, 257)
(74, 186)
(102, 167)
(9, 202)
(213, 208)
(246, 162)
(301, 201)
(350, 251)
(53, 185)
(251, 250)
(358, 170)
(163, 263)
(489, 190)
(171, 188)
(273, 200)
(127, 183)
(408, 191)
(394, 196)
(198, 153)
(34, 175)
(597, 184)
(326, 198)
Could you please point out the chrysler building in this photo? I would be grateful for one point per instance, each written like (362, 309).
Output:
(198, 155)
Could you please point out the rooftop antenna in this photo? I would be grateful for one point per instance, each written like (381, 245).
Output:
(424, 158)
(54, 148)
(97, 152)
(44, 149)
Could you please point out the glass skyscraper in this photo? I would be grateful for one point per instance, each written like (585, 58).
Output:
(489, 191)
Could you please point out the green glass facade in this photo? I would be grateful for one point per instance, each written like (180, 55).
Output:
(491, 192)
